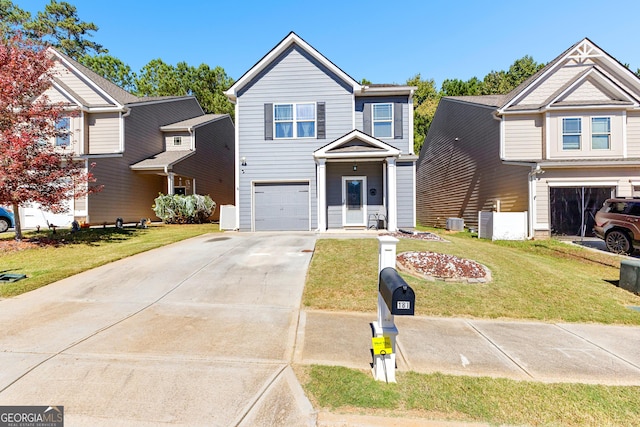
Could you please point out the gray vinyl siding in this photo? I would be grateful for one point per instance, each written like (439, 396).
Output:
(293, 77)
(403, 144)
(633, 134)
(103, 131)
(458, 178)
(127, 194)
(212, 166)
(335, 172)
(405, 185)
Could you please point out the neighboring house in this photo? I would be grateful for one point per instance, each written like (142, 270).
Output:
(556, 147)
(138, 147)
(317, 150)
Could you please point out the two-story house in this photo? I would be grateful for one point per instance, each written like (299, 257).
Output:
(316, 150)
(136, 147)
(556, 147)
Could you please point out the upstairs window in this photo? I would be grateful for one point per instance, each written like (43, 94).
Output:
(571, 133)
(601, 133)
(63, 130)
(294, 120)
(382, 117)
(177, 141)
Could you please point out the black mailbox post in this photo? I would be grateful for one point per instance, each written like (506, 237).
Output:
(397, 294)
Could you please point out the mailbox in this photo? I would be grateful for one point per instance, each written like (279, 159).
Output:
(397, 294)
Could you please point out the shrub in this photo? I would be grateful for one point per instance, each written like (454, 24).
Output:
(177, 209)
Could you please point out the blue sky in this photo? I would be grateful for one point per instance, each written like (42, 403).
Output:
(382, 41)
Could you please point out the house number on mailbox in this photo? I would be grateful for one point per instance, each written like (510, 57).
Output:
(404, 305)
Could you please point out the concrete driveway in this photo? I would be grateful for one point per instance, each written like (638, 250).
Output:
(196, 333)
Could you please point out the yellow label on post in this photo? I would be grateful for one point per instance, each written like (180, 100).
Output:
(381, 345)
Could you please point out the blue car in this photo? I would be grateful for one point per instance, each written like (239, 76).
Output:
(6, 220)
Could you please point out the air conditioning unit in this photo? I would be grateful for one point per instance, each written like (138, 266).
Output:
(455, 224)
(228, 217)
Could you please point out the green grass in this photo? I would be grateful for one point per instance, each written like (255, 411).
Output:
(66, 253)
(471, 399)
(542, 280)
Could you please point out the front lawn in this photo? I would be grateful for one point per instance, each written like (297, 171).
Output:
(45, 257)
(543, 280)
(496, 401)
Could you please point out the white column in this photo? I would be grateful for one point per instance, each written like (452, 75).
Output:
(321, 190)
(170, 178)
(392, 208)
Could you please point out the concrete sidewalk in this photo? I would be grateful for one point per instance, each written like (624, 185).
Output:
(533, 351)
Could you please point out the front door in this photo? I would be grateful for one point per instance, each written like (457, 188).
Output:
(353, 201)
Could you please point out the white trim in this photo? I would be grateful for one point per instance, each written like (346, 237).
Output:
(363, 200)
(391, 121)
(323, 152)
(121, 131)
(392, 199)
(586, 182)
(321, 191)
(625, 147)
(547, 134)
(59, 88)
(411, 133)
(295, 121)
(237, 162)
(603, 79)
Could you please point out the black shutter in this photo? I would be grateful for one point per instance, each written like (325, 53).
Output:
(397, 120)
(268, 121)
(366, 118)
(321, 132)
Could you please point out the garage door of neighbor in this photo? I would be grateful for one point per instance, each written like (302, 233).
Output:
(573, 209)
(281, 206)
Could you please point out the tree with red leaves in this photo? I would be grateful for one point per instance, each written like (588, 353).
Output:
(32, 168)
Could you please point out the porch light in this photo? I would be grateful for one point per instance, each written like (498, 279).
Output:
(243, 161)
(355, 166)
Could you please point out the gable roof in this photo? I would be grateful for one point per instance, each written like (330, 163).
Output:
(113, 91)
(582, 52)
(610, 75)
(290, 40)
(356, 144)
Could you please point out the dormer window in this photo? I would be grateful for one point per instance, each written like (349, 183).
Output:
(177, 141)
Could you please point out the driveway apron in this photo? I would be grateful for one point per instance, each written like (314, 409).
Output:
(196, 333)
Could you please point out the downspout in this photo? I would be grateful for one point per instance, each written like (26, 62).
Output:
(532, 177)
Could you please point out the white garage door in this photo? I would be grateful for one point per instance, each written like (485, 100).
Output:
(281, 206)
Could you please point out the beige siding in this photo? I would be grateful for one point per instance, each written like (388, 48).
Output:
(459, 171)
(523, 137)
(555, 136)
(80, 86)
(621, 179)
(587, 91)
(633, 134)
(185, 141)
(55, 96)
(546, 88)
(104, 133)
